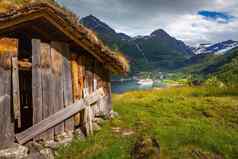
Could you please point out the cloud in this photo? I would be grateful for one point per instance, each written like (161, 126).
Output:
(194, 29)
(216, 16)
(179, 17)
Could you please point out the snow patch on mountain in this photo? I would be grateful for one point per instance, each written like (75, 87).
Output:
(218, 48)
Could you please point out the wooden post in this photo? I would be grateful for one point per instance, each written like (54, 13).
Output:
(47, 83)
(57, 97)
(87, 121)
(67, 85)
(98, 77)
(16, 91)
(76, 86)
(88, 89)
(109, 92)
(36, 83)
(81, 64)
(6, 125)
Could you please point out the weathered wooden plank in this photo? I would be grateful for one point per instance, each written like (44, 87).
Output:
(89, 89)
(81, 64)
(47, 83)
(89, 79)
(6, 125)
(6, 131)
(16, 91)
(106, 101)
(89, 68)
(109, 91)
(58, 117)
(36, 82)
(98, 75)
(76, 88)
(67, 85)
(96, 66)
(57, 101)
(87, 121)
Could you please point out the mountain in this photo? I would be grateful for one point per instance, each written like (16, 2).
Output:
(157, 51)
(228, 72)
(224, 66)
(105, 32)
(218, 48)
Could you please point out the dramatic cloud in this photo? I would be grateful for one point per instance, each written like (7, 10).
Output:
(194, 21)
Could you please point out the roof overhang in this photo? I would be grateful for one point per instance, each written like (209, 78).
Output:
(62, 28)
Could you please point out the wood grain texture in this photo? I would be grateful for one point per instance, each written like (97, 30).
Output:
(57, 99)
(58, 117)
(6, 124)
(36, 82)
(16, 92)
(67, 85)
(47, 83)
(76, 85)
(81, 64)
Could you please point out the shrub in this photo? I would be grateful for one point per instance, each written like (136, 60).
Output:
(214, 82)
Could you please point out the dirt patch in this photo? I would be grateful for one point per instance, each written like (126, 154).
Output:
(123, 131)
(146, 148)
(198, 154)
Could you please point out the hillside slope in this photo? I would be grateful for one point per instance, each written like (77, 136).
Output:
(224, 66)
(229, 71)
(187, 123)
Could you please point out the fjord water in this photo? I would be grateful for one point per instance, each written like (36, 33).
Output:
(121, 87)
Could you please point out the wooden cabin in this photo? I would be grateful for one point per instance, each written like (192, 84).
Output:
(54, 75)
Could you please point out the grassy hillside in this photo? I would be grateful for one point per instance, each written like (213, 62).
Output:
(197, 64)
(225, 67)
(187, 122)
(229, 71)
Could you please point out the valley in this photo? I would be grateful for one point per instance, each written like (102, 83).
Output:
(159, 53)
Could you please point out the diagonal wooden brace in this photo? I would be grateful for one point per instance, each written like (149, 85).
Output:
(58, 117)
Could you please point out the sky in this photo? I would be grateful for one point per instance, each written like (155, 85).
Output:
(193, 21)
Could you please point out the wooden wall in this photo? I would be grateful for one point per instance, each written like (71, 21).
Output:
(88, 76)
(51, 84)
(59, 78)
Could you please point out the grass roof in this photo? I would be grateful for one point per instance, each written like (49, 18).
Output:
(17, 9)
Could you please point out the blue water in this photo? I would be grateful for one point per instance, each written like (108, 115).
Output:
(121, 87)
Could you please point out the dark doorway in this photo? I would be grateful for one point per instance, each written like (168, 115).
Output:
(25, 84)
(25, 80)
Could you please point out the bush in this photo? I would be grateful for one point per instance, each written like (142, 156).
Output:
(214, 82)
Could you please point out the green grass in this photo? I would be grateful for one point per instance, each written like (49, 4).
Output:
(182, 119)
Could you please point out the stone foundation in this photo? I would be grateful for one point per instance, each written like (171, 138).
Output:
(47, 150)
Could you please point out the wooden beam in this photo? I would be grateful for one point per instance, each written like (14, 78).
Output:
(57, 99)
(16, 91)
(58, 117)
(59, 23)
(36, 83)
(76, 86)
(47, 83)
(67, 85)
(42, 33)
